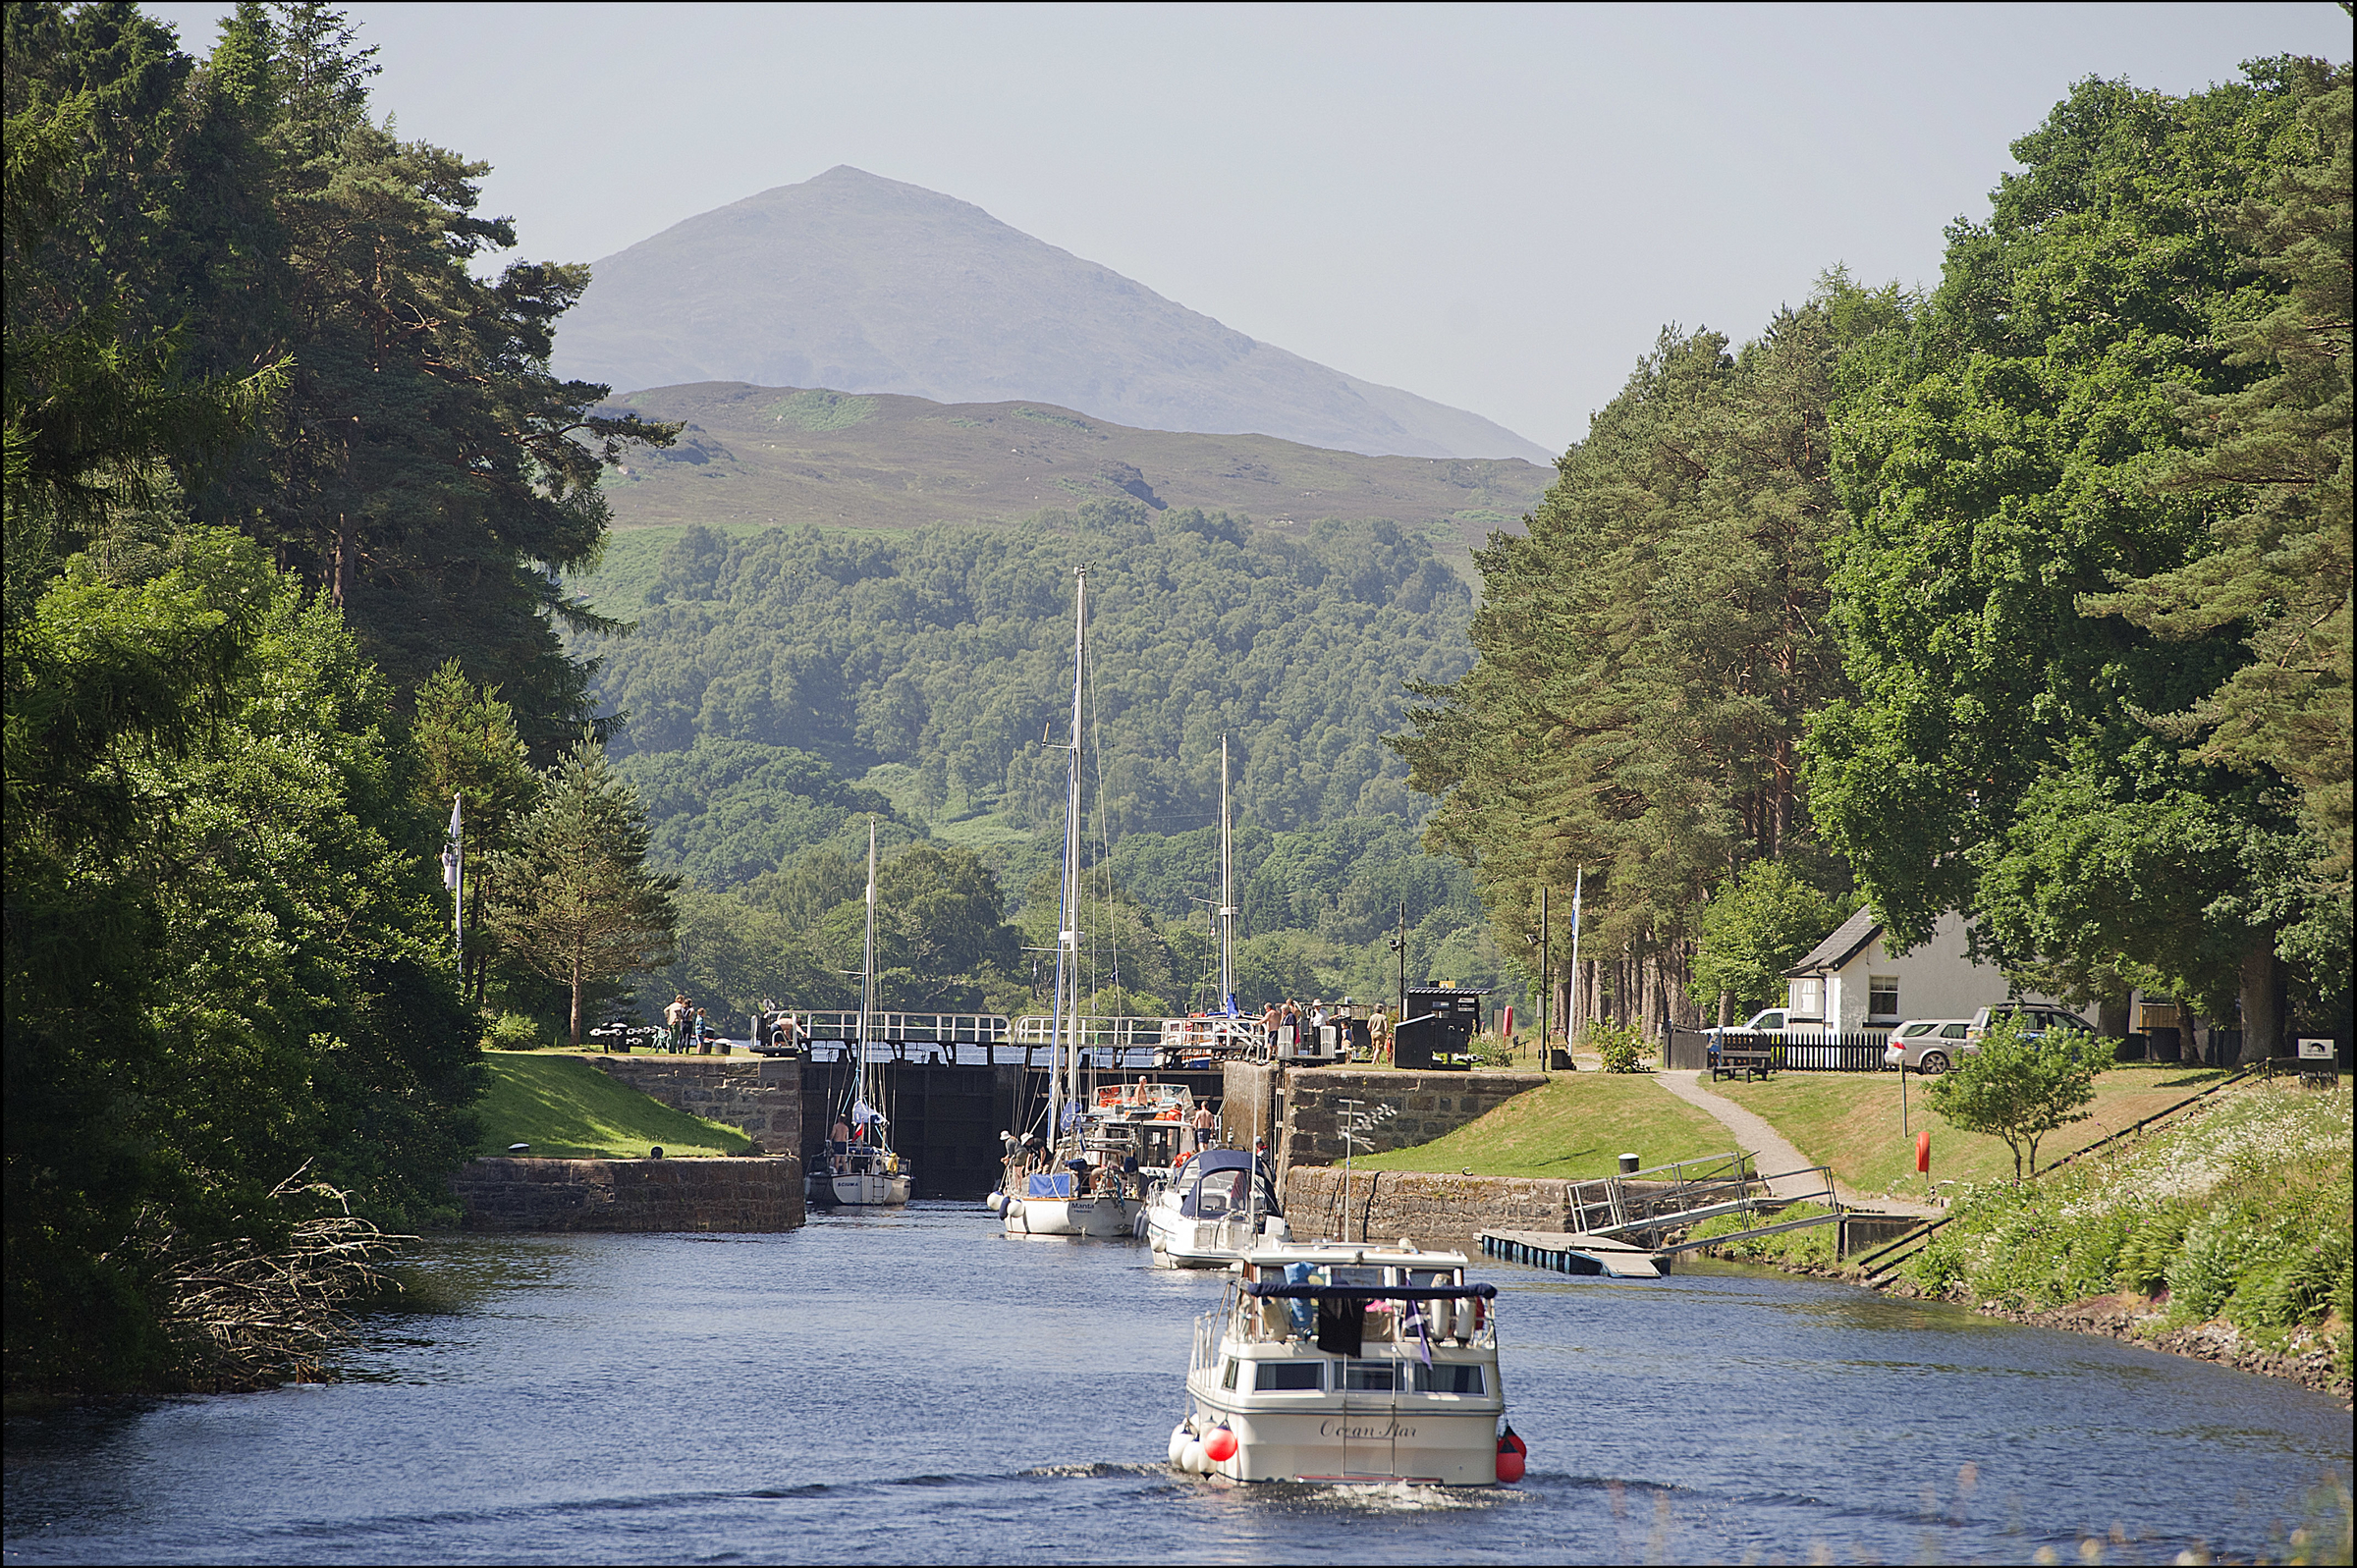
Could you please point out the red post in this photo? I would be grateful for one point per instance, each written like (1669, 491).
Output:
(1923, 1152)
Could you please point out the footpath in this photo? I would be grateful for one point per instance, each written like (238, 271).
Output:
(1773, 1153)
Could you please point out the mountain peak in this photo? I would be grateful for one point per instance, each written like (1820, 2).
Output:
(865, 283)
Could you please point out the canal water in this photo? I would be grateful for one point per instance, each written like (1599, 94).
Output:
(921, 1389)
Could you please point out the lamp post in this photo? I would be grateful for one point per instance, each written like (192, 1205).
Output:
(1546, 977)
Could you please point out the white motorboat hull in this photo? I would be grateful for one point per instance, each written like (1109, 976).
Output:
(1185, 1243)
(1415, 1399)
(1414, 1439)
(1102, 1219)
(861, 1190)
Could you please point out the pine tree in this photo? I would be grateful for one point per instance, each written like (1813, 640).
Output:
(575, 898)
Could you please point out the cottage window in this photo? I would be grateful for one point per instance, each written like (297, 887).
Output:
(1881, 995)
(1808, 998)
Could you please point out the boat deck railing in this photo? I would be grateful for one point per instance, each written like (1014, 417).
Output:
(1267, 1322)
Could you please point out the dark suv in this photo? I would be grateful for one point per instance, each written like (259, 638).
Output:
(2038, 1017)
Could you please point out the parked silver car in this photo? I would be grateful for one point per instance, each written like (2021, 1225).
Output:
(1929, 1046)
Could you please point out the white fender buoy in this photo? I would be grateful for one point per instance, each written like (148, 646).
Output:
(1178, 1440)
(1191, 1459)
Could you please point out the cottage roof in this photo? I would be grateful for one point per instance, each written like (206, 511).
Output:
(1843, 946)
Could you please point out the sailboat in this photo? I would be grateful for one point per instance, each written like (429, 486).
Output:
(1081, 1191)
(1213, 1207)
(1200, 1039)
(862, 1170)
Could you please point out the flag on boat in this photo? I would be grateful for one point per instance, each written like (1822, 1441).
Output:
(862, 1113)
(1421, 1319)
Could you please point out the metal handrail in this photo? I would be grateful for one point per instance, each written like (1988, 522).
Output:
(1096, 1030)
(915, 1028)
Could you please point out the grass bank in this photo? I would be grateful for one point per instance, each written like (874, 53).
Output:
(2238, 1212)
(2223, 1233)
(1852, 1122)
(1574, 1127)
(566, 1108)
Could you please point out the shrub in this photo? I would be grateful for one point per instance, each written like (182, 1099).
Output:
(511, 1031)
(1622, 1049)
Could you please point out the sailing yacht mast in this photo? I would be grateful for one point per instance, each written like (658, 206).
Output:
(1228, 909)
(867, 966)
(1064, 1082)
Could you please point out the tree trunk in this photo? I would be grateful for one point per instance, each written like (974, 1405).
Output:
(2262, 1010)
(1726, 1006)
(577, 1005)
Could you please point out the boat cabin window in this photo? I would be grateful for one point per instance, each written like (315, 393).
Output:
(1445, 1378)
(1228, 1379)
(1354, 1275)
(1220, 1192)
(1380, 1376)
(1288, 1374)
(1429, 1278)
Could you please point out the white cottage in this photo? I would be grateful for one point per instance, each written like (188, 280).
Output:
(1851, 982)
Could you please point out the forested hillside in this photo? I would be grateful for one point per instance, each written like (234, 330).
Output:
(950, 652)
(784, 684)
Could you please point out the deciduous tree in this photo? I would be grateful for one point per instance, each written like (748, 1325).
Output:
(2017, 1088)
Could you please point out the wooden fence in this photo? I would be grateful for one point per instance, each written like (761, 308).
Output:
(1689, 1049)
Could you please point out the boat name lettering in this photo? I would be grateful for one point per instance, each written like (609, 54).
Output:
(1342, 1429)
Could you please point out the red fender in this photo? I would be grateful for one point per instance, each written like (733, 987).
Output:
(1512, 1454)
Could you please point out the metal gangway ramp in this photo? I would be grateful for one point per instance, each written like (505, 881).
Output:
(1642, 1208)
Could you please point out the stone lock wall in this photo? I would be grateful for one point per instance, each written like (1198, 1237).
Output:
(630, 1195)
(1383, 1206)
(1396, 1110)
(760, 1097)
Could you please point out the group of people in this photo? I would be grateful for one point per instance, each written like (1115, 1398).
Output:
(687, 1029)
(1290, 1021)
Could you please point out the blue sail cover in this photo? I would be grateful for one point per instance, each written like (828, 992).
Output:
(1048, 1184)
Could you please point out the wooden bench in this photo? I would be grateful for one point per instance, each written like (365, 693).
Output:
(1748, 1060)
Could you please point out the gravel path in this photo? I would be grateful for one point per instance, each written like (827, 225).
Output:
(1772, 1153)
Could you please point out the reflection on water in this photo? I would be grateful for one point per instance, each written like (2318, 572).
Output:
(919, 1387)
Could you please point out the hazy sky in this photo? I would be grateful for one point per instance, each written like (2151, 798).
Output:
(1495, 207)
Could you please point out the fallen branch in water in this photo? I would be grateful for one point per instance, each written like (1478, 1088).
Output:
(244, 1317)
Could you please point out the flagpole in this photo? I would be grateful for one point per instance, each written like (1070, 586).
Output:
(1578, 879)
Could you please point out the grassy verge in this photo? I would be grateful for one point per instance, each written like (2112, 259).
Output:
(2239, 1210)
(1852, 1122)
(566, 1108)
(1575, 1128)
